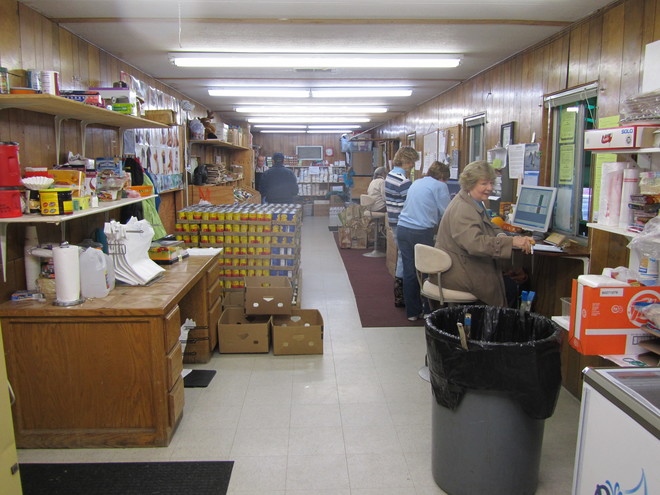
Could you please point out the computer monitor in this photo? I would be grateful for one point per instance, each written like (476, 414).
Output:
(534, 208)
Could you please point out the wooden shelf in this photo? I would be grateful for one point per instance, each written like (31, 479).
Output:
(612, 230)
(103, 206)
(69, 109)
(628, 151)
(218, 144)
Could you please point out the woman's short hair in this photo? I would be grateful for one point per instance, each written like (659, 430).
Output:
(439, 171)
(406, 154)
(380, 172)
(475, 172)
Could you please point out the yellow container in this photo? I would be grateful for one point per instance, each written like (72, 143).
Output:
(56, 201)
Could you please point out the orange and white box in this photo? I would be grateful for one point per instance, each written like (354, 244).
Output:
(604, 320)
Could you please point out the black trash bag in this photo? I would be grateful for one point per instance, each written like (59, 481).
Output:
(508, 351)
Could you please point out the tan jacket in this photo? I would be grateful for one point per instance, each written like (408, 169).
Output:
(476, 250)
(376, 190)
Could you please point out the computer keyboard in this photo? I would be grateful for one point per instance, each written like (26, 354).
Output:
(547, 248)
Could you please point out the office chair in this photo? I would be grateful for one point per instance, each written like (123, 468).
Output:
(432, 262)
(378, 218)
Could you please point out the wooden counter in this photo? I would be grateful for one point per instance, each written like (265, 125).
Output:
(107, 373)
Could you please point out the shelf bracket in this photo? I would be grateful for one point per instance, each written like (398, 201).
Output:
(58, 134)
(83, 135)
(121, 131)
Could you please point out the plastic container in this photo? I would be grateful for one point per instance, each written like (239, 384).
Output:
(10, 169)
(4, 81)
(492, 398)
(95, 273)
(56, 201)
(10, 203)
(565, 306)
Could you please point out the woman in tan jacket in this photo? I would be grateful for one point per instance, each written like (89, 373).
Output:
(476, 245)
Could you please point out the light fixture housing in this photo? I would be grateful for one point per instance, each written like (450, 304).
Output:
(360, 92)
(261, 92)
(311, 109)
(340, 120)
(315, 60)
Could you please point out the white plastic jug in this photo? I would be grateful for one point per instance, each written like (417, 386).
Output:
(94, 273)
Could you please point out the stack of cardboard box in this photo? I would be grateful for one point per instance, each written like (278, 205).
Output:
(268, 314)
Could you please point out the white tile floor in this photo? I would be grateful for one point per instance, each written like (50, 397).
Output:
(356, 420)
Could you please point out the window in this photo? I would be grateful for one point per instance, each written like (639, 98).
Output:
(571, 113)
(475, 135)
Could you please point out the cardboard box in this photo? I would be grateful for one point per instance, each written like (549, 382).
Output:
(233, 298)
(301, 332)
(617, 138)
(163, 116)
(604, 320)
(321, 208)
(239, 333)
(268, 295)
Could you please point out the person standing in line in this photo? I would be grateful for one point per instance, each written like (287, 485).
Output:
(396, 188)
(425, 204)
(376, 189)
(278, 183)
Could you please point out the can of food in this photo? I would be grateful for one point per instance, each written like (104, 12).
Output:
(204, 239)
(56, 201)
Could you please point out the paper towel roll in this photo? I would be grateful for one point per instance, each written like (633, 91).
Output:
(630, 186)
(67, 274)
(611, 184)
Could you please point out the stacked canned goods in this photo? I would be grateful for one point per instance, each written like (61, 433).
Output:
(257, 240)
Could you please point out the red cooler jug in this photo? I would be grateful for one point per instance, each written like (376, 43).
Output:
(10, 169)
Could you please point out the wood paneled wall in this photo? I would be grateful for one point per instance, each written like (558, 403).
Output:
(607, 47)
(286, 143)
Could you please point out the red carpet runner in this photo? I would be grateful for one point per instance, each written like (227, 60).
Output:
(373, 288)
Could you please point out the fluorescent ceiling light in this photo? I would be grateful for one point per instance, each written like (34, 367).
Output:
(261, 92)
(282, 126)
(328, 131)
(309, 119)
(280, 131)
(355, 126)
(316, 60)
(360, 92)
(304, 109)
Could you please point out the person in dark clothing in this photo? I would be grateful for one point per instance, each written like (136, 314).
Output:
(279, 184)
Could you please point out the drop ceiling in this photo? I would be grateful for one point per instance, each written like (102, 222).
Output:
(144, 34)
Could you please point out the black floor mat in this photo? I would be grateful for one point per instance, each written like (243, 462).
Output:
(127, 478)
(198, 378)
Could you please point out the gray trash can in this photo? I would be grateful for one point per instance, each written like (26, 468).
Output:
(491, 400)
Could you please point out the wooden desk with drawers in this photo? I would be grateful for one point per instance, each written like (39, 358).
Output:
(107, 373)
